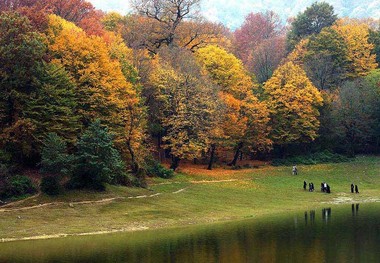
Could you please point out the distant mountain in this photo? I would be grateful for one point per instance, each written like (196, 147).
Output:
(232, 12)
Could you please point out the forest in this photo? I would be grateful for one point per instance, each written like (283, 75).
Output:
(89, 97)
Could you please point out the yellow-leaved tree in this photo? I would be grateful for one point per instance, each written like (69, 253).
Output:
(185, 104)
(298, 54)
(293, 101)
(96, 68)
(355, 35)
(244, 118)
(134, 115)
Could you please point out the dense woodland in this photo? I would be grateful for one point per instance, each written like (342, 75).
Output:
(104, 98)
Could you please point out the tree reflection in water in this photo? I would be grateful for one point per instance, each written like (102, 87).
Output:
(344, 238)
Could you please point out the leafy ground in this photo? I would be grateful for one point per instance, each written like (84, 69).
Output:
(193, 196)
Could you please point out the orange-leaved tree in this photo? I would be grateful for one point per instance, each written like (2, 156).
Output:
(101, 88)
(134, 115)
(244, 118)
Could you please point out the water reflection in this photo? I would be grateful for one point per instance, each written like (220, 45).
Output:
(273, 239)
(355, 209)
(326, 214)
(311, 216)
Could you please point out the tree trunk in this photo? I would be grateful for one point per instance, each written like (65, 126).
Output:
(175, 163)
(212, 154)
(233, 163)
(135, 166)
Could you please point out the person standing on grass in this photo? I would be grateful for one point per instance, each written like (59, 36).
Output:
(304, 185)
(356, 189)
(352, 188)
(295, 171)
(311, 187)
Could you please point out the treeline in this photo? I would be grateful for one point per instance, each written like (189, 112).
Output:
(160, 81)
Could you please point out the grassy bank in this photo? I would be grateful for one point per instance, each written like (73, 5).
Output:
(193, 196)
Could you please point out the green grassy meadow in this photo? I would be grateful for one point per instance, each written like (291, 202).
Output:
(189, 198)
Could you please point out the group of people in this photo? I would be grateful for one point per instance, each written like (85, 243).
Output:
(356, 188)
(311, 186)
(324, 187)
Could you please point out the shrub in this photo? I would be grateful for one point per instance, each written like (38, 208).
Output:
(18, 186)
(154, 168)
(50, 185)
(123, 179)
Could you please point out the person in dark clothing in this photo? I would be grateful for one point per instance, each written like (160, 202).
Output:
(304, 185)
(356, 189)
(352, 188)
(311, 188)
(328, 189)
(322, 187)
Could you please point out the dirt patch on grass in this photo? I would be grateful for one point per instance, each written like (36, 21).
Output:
(344, 198)
(220, 172)
(61, 235)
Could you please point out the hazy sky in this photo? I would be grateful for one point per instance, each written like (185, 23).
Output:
(232, 12)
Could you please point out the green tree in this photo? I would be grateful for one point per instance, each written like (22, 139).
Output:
(54, 157)
(22, 52)
(97, 161)
(372, 80)
(326, 60)
(21, 56)
(354, 113)
(311, 21)
(374, 39)
(53, 96)
(55, 164)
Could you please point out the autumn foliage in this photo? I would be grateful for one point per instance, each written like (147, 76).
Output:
(293, 101)
(170, 86)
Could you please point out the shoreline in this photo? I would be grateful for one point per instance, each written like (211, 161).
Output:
(178, 225)
(191, 198)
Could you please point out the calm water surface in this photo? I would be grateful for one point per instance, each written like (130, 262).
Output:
(346, 233)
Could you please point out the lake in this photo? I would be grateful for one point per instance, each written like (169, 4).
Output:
(344, 233)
